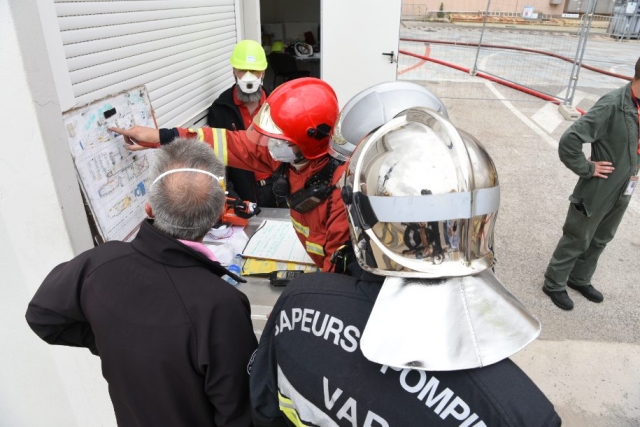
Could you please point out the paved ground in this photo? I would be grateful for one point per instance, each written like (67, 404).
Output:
(588, 360)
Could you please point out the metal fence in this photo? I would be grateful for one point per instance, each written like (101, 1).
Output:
(414, 12)
(533, 52)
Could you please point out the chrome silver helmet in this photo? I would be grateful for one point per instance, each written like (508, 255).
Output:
(372, 108)
(422, 199)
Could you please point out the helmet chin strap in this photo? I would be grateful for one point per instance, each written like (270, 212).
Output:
(300, 162)
(299, 159)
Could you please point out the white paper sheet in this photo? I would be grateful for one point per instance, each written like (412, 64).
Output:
(276, 240)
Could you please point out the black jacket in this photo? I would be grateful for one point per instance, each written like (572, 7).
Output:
(174, 338)
(224, 114)
(309, 366)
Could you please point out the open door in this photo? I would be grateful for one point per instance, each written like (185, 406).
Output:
(359, 44)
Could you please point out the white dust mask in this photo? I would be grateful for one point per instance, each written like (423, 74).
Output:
(249, 83)
(281, 151)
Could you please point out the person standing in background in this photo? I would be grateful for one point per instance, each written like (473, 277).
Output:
(600, 199)
(234, 109)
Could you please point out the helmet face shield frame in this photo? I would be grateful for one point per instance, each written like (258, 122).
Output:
(262, 139)
(400, 227)
(280, 150)
(263, 123)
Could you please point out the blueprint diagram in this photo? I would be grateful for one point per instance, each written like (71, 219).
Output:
(114, 181)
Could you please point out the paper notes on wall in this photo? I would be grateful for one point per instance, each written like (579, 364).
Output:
(114, 181)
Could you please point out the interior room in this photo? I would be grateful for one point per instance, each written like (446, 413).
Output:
(291, 38)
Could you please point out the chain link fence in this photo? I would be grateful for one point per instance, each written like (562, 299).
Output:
(523, 47)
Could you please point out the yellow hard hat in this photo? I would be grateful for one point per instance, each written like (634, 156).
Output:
(277, 46)
(248, 55)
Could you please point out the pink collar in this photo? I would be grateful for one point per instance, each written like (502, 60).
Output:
(199, 247)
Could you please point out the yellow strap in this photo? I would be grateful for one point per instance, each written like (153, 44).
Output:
(300, 228)
(220, 144)
(287, 408)
(315, 248)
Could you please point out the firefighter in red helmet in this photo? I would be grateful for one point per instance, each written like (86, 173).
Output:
(289, 136)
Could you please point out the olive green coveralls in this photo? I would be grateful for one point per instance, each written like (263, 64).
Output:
(597, 204)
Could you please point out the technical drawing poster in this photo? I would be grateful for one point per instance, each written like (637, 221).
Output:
(113, 179)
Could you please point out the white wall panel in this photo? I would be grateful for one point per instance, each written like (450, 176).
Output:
(174, 99)
(178, 49)
(88, 34)
(166, 85)
(100, 45)
(87, 8)
(142, 57)
(144, 51)
(88, 21)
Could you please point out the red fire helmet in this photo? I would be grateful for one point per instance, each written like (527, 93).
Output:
(301, 111)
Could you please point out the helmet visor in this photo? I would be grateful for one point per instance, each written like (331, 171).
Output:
(263, 140)
(263, 123)
(280, 149)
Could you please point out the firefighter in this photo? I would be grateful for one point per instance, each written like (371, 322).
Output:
(412, 340)
(289, 136)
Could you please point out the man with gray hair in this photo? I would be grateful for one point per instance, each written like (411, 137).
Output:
(174, 338)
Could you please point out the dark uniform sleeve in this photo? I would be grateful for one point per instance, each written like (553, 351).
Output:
(514, 396)
(225, 359)
(55, 314)
(264, 376)
(588, 129)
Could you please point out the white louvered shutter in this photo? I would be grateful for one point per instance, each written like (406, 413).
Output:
(179, 49)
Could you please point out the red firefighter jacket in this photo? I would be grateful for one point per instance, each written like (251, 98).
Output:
(321, 230)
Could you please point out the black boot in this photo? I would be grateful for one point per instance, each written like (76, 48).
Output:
(560, 298)
(588, 291)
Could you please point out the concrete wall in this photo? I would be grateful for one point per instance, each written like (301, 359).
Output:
(250, 17)
(515, 6)
(42, 223)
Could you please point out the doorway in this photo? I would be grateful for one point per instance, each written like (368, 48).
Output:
(290, 29)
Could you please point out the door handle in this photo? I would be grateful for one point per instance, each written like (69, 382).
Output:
(391, 55)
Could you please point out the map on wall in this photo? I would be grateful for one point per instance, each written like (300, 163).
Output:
(114, 180)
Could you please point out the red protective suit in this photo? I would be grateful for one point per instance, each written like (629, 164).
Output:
(321, 230)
